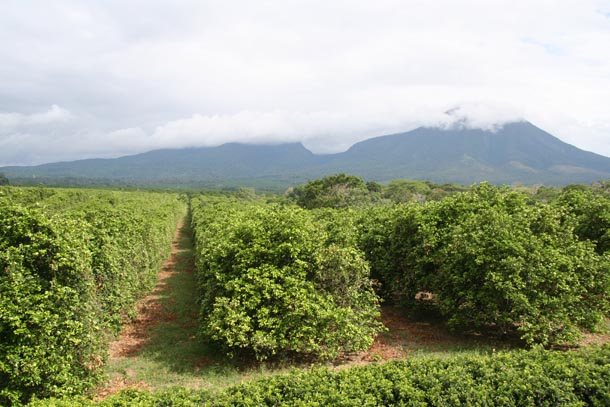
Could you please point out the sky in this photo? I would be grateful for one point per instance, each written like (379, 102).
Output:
(82, 79)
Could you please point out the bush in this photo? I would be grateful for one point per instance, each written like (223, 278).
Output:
(491, 258)
(49, 320)
(532, 378)
(72, 264)
(591, 214)
(496, 269)
(272, 284)
(333, 191)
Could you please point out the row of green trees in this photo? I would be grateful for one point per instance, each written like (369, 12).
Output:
(274, 280)
(279, 280)
(492, 257)
(486, 258)
(342, 190)
(534, 261)
(72, 264)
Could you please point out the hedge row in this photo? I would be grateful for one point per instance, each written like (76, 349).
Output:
(518, 378)
(274, 280)
(492, 258)
(70, 269)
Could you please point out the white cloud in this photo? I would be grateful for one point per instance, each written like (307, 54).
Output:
(170, 74)
(54, 115)
(322, 131)
(13, 121)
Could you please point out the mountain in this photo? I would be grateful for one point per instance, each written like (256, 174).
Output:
(516, 153)
(228, 165)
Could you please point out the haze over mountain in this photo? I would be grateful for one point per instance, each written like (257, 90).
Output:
(517, 152)
(105, 79)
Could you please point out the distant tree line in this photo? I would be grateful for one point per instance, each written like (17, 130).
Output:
(342, 190)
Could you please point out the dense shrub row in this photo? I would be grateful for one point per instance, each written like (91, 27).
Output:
(518, 378)
(275, 280)
(486, 258)
(71, 264)
(278, 280)
(491, 257)
(591, 213)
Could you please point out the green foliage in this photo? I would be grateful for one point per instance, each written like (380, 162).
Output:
(333, 191)
(3, 179)
(72, 263)
(245, 193)
(30, 196)
(49, 324)
(546, 194)
(374, 187)
(273, 282)
(591, 212)
(375, 239)
(491, 258)
(277, 280)
(407, 191)
(339, 225)
(496, 268)
(341, 190)
(532, 378)
(602, 187)
(130, 240)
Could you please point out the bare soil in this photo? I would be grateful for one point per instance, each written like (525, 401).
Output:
(135, 334)
(406, 336)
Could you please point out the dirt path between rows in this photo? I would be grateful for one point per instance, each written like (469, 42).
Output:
(136, 333)
(149, 312)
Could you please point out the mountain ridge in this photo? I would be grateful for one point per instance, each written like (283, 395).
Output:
(518, 152)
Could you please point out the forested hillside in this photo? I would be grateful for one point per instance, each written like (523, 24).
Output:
(516, 153)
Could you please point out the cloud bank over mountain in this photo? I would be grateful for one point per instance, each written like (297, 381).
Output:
(84, 79)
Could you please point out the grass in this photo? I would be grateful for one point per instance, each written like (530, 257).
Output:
(425, 333)
(173, 355)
